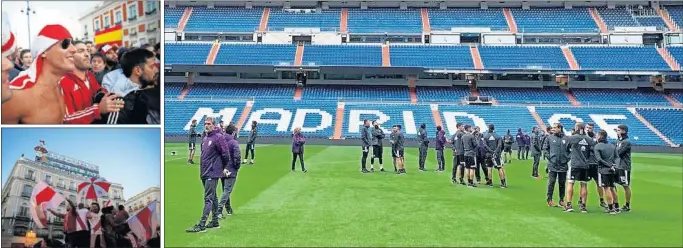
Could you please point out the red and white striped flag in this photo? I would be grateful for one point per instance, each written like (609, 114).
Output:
(144, 224)
(107, 204)
(43, 197)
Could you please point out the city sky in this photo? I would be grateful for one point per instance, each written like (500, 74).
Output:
(130, 157)
(65, 13)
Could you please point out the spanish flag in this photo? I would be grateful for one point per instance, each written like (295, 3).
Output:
(109, 36)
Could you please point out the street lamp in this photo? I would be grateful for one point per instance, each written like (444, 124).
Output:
(28, 11)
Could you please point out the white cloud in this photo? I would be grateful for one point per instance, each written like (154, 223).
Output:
(65, 13)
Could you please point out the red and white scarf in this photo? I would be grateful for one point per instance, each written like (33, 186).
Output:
(48, 36)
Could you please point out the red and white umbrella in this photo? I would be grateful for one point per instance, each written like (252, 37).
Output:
(96, 188)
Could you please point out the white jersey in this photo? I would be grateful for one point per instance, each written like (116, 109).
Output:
(95, 226)
(82, 220)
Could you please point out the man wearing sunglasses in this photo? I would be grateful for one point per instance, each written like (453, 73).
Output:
(84, 98)
(37, 97)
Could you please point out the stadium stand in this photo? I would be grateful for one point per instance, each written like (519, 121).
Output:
(534, 96)
(189, 53)
(372, 93)
(620, 58)
(554, 20)
(224, 19)
(676, 13)
(523, 57)
(356, 55)
(620, 97)
(667, 121)
(432, 56)
(241, 91)
(172, 16)
(467, 17)
(677, 53)
(442, 94)
(251, 54)
(618, 17)
(180, 113)
(394, 113)
(172, 89)
(326, 20)
(381, 20)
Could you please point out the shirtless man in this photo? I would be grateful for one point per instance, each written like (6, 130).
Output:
(8, 46)
(37, 96)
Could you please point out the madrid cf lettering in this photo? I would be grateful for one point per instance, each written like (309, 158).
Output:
(451, 119)
(600, 121)
(300, 117)
(355, 121)
(226, 114)
(281, 124)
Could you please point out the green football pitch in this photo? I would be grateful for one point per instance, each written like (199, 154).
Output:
(335, 205)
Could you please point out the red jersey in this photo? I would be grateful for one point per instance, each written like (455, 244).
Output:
(78, 96)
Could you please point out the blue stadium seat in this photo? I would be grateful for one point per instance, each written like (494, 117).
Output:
(186, 53)
(172, 90)
(172, 16)
(255, 54)
(180, 113)
(224, 19)
(529, 96)
(395, 114)
(554, 20)
(619, 17)
(678, 95)
(366, 92)
(676, 13)
(442, 94)
(620, 58)
(431, 56)
(241, 91)
(326, 20)
(677, 53)
(620, 97)
(667, 121)
(502, 117)
(639, 133)
(310, 120)
(381, 20)
(343, 55)
(467, 17)
(651, 21)
(523, 57)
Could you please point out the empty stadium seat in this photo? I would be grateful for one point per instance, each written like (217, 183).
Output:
(502, 117)
(522, 95)
(172, 16)
(186, 53)
(620, 97)
(432, 56)
(554, 20)
(394, 114)
(676, 13)
(180, 113)
(677, 53)
(523, 57)
(365, 92)
(172, 90)
(442, 94)
(269, 110)
(678, 95)
(667, 121)
(380, 20)
(255, 54)
(326, 20)
(638, 133)
(241, 91)
(467, 17)
(224, 19)
(619, 58)
(343, 55)
(619, 17)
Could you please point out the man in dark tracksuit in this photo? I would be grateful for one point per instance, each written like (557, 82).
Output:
(397, 140)
(508, 140)
(520, 144)
(377, 147)
(366, 138)
(624, 165)
(229, 178)
(440, 144)
(192, 142)
(469, 143)
(593, 165)
(424, 146)
(581, 149)
(536, 147)
(458, 155)
(558, 157)
(494, 148)
(605, 155)
(250, 144)
(527, 145)
(214, 157)
(481, 155)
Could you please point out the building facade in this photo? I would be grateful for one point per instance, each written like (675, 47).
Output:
(142, 199)
(125, 23)
(63, 174)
